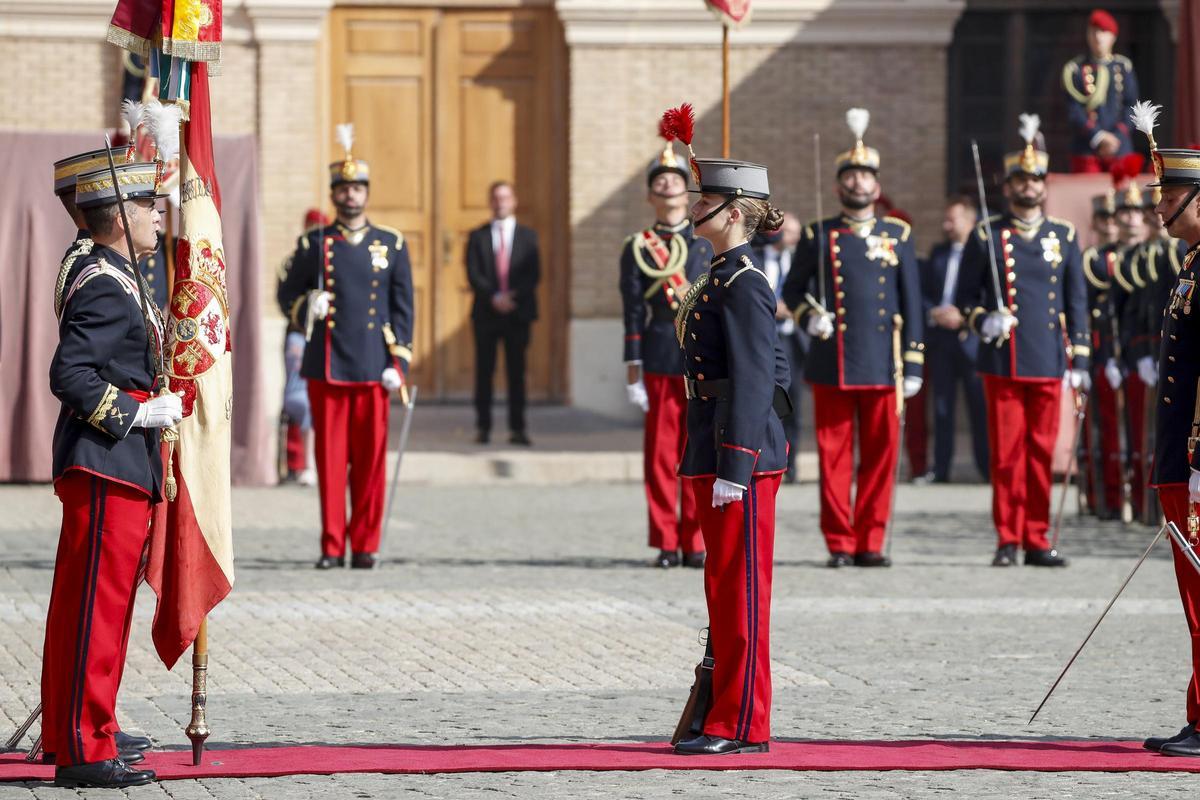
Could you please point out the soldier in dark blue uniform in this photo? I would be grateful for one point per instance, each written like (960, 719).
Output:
(107, 473)
(1100, 86)
(658, 266)
(1034, 333)
(1176, 472)
(737, 378)
(350, 286)
(867, 353)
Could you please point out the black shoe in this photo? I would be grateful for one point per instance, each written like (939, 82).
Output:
(125, 742)
(483, 437)
(364, 561)
(871, 560)
(666, 559)
(694, 560)
(1044, 558)
(329, 562)
(705, 745)
(128, 756)
(111, 774)
(1189, 746)
(520, 437)
(1156, 743)
(839, 560)
(1006, 556)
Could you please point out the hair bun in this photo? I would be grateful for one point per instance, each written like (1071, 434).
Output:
(772, 220)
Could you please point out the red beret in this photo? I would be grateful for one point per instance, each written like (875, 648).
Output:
(1104, 21)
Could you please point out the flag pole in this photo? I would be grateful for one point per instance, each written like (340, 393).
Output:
(724, 89)
(197, 730)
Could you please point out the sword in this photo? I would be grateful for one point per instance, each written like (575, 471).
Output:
(1072, 465)
(410, 403)
(901, 409)
(1186, 547)
(821, 306)
(991, 246)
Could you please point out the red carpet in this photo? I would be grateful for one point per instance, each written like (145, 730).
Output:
(269, 762)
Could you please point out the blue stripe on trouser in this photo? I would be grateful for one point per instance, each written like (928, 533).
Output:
(87, 607)
(750, 554)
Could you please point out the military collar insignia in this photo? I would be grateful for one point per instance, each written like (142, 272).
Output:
(860, 227)
(1027, 230)
(354, 237)
(663, 227)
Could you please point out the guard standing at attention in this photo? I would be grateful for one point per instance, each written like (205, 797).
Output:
(658, 265)
(737, 379)
(865, 317)
(1034, 333)
(349, 286)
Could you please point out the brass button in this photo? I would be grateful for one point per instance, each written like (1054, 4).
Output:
(1052, 311)
(1012, 276)
(837, 262)
(840, 279)
(329, 281)
(1013, 307)
(1096, 313)
(882, 279)
(1170, 379)
(371, 311)
(696, 315)
(880, 328)
(373, 295)
(330, 322)
(841, 295)
(697, 358)
(1050, 326)
(1174, 337)
(374, 283)
(882, 296)
(332, 309)
(842, 326)
(693, 337)
(1012, 292)
(716, 281)
(1052, 295)
(370, 326)
(670, 292)
(841, 312)
(674, 305)
(1167, 400)
(1171, 359)
(705, 298)
(1054, 279)
(1010, 262)
(882, 312)
(700, 376)
(837, 248)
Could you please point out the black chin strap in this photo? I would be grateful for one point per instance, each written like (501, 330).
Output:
(726, 204)
(1191, 196)
(666, 196)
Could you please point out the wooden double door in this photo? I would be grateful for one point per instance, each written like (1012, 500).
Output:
(444, 103)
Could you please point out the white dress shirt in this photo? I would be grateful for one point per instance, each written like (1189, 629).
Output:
(952, 263)
(507, 226)
(777, 264)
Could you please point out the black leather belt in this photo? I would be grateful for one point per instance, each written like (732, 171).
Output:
(721, 389)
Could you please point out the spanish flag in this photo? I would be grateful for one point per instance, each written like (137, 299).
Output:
(191, 549)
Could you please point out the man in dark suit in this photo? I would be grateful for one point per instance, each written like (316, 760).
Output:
(951, 346)
(504, 268)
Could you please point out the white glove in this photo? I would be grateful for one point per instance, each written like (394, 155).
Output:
(391, 379)
(160, 411)
(636, 393)
(318, 304)
(725, 492)
(911, 386)
(1079, 379)
(820, 326)
(1193, 487)
(1147, 370)
(997, 325)
(1112, 373)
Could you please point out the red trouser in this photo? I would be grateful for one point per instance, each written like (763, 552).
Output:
(104, 530)
(662, 450)
(1109, 445)
(1135, 413)
(836, 411)
(297, 458)
(350, 424)
(737, 585)
(1022, 428)
(1174, 500)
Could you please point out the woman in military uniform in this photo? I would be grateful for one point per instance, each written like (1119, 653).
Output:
(736, 377)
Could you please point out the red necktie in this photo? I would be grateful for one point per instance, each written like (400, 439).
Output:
(502, 261)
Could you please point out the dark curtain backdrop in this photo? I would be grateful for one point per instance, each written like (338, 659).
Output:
(34, 234)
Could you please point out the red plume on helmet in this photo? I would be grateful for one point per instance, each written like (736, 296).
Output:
(1126, 167)
(680, 123)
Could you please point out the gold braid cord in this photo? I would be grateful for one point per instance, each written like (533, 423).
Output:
(675, 262)
(685, 308)
(1098, 95)
(64, 270)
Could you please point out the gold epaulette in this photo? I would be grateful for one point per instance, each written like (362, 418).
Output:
(747, 266)
(905, 228)
(82, 248)
(1125, 62)
(399, 236)
(285, 267)
(1070, 226)
(1119, 277)
(981, 230)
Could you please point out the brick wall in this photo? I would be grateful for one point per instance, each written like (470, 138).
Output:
(781, 95)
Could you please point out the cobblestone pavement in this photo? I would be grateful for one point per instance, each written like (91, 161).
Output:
(525, 614)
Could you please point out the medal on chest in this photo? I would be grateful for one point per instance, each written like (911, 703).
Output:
(1182, 297)
(379, 257)
(1052, 249)
(882, 247)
